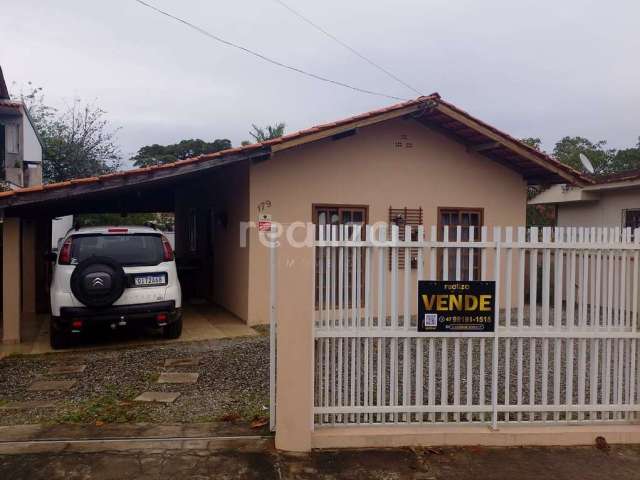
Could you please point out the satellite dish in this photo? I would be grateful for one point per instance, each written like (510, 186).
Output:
(586, 163)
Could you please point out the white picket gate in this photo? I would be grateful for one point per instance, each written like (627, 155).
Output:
(564, 349)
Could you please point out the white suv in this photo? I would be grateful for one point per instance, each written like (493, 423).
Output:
(114, 276)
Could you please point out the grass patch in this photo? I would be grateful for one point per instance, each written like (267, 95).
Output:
(3, 402)
(107, 408)
(151, 377)
(248, 410)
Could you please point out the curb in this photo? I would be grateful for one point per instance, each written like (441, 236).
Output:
(247, 443)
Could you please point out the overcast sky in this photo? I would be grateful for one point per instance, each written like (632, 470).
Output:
(532, 68)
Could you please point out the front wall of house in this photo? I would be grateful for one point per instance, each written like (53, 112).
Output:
(605, 212)
(396, 164)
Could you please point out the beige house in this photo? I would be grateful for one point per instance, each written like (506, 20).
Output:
(424, 161)
(608, 201)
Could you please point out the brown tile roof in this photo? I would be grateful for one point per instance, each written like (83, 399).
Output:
(543, 156)
(300, 135)
(10, 104)
(624, 176)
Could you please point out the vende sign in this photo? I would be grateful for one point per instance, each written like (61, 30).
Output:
(452, 306)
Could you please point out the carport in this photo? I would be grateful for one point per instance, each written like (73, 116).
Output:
(209, 195)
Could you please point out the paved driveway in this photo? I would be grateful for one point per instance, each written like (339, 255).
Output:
(201, 322)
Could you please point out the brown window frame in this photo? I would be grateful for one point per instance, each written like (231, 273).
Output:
(340, 208)
(476, 254)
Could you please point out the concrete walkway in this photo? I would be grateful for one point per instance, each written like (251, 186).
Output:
(200, 322)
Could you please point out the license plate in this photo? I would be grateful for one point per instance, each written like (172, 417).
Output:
(149, 280)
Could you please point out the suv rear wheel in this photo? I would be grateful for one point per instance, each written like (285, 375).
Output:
(173, 330)
(58, 339)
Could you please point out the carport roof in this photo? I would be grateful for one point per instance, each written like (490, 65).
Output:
(535, 166)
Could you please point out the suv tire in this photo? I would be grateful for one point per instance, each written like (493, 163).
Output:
(173, 330)
(110, 277)
(58, 340)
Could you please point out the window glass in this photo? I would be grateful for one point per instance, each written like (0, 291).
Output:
(129, 250)
(632, 218)
(11, 138)
(465, 218)
(338, 215)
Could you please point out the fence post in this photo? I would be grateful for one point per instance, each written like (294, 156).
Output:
(294, 380)
(273, 328)
(494, 363)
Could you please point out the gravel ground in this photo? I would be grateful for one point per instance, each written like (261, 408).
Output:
(544, 371)
(233, 383)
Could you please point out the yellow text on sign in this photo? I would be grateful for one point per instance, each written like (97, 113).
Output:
(451, 302)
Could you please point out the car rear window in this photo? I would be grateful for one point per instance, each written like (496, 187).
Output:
(129, 250)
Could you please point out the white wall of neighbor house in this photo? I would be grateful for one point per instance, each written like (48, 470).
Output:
(32, 150)
(59, 228)
(607, 211)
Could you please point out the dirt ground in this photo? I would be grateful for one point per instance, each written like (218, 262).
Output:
(583, 463)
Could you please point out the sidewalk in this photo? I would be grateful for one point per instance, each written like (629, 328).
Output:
(229, 452)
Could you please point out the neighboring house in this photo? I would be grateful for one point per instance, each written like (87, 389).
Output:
(427, 156)
(59, 228)
(20, 146)
(609, 201)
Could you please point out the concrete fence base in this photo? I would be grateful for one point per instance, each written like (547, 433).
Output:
(508, 436)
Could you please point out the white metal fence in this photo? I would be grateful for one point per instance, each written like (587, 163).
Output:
(564, 348)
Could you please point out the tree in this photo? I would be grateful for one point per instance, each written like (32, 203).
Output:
(78, 142)
(261, 134)
(534, 142)
(537, 214)
(100, 219)
(160, 154)
(568, 151)
(627, 159)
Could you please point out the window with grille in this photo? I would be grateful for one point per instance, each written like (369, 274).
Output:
(465, 218)
(403, 217)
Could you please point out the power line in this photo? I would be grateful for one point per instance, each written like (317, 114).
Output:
(264, 57)
(348, 47)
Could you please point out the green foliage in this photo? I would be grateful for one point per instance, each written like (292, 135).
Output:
(568, 151)
(539, 215)
(107, 408)
(534, 142)
(101, 219)
(628, 158)
(160, 154)
(77, 142)
(261, 134)
(248, 408)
